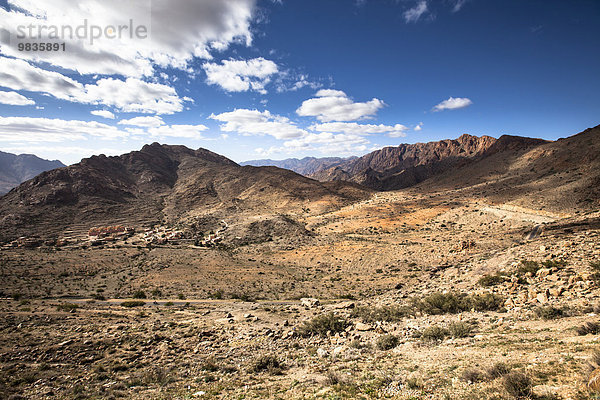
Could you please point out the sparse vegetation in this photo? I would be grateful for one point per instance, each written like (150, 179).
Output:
(460, 329)
(518, 385)
(491, 280)
(391, 313)
(589, 328)
(266, 363)
(527, 267)
(322, 324)
(435, 333)
(549, 312)
(133, 303)
(140, 294)
(68, 307)
(387, 342)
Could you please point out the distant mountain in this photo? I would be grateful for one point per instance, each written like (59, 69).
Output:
(15, 169)
(167, 184)
(305, 166)
(408, 164)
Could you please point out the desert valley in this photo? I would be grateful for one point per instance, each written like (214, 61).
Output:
(459, 269)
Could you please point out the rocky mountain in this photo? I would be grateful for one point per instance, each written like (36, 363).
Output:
(408, 164)
(161, 183)
(15, 169)
(305, 166)
(560, 176)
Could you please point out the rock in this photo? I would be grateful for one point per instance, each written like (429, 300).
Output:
(248, 316)
(542, 297)
(310, 302)
(556, 291)
(345, 305)
(339, 350)
(199, 393)
(363, 327)
(543, 272)
(594, 381)
(322, 352)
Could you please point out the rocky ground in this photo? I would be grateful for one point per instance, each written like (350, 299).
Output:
(402, 296)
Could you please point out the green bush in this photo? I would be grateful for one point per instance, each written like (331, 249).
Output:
(434, 333)
(558, 264)
(392, 313)
(460, 329)
(589, 328)
(140, 294)
(452, 303)
(549, 312)
(133, 303)
(443, 303)
(387, 342)
(518, 385)
(266, 363)
(528, 266)
(491, 280)
(322, 324)
(498, 370)
(487, 302)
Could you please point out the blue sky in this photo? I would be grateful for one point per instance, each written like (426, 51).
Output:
(276, 79)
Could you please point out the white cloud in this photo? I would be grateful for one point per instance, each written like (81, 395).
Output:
(14, 99)
(241, 75)
(103, 113)
(325, 143)
(334, 105)
(458, 5)
(181, 131)
(20, 75)
(38, 130)
(453, 103)
(254, 122)
(130, 95)
(415, 13)
(178, 30)
(133, 95)
(418, 127)
(148, 122)
(397, 130)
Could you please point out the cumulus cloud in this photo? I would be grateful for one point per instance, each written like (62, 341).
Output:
(453, 103)
(39, 130)
(397, 130)
(20, 75)
(14, 99)
(103, 113)
(180, 131)
(241, 75)
(335, 105)
(415, 13)
(130, 95)
(148, 122)
(176, 31)
(254, 122)
(418, 127)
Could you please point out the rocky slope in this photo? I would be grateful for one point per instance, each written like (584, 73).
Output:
(160, 183)
(15, 169)
(408, 164)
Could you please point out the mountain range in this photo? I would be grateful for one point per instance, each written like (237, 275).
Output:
(15, 169)
(163, 184)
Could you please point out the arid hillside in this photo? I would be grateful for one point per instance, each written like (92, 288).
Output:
(399, 167)
(158, 184)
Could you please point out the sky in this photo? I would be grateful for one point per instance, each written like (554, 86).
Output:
(252, 79)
